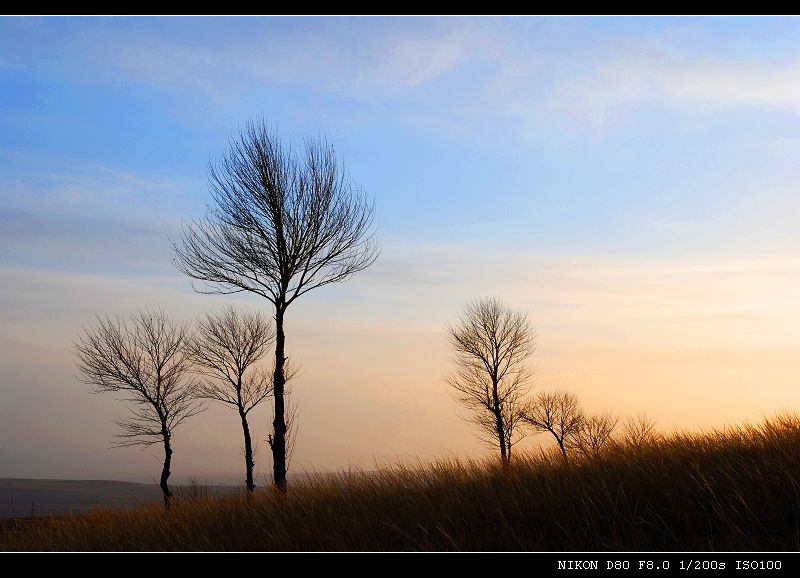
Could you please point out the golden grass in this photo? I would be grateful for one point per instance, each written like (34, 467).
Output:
(734, 489)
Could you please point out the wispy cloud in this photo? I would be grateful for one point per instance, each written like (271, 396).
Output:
(497, 67)
(727, 301)
(655, 267)
(384, 60)
(628, 334)
(91, 216)
(676, 78)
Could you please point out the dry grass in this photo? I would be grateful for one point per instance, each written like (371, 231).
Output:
(735, 489)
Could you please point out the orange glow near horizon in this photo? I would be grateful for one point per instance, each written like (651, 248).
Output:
(630, 183)
(695, 345)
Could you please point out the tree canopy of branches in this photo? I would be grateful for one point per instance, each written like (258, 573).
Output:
(146, 361)
(557, 412)
(492, 344)
(594, 433)
(226, 350)
(281, 223)
(639, 431)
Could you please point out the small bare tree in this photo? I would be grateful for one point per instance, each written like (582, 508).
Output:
(557, 412)
(639, 431)
(282, 223)
(594, 434)
(226, 350)
(492, 343)
(147, 362)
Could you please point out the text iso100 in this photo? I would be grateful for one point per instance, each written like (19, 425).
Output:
(758, 564)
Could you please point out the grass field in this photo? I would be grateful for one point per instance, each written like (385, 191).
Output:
(734, 489)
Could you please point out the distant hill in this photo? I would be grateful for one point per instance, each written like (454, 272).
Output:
(22, 498)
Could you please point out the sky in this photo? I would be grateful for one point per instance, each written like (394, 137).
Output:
(630, 183)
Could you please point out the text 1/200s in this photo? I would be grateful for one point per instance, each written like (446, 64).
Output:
(665, 564)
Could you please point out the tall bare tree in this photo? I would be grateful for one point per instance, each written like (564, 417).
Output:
(282, 222)
(146, 361)
(227, 350)
(594, 434)
(557, 412)
(492, 344)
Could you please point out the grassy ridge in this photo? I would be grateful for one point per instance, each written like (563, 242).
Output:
(737, 489)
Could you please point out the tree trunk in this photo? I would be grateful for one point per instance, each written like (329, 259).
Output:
(563, 450)
(165, 471)
(501, 434)
(278, 442)
(501, 430)
(248, 453)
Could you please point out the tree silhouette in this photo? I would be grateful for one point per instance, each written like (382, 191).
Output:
(226, 350)
(491, 343)
(639, 431)
(594, 434)
(282, 222)
(557, 412)
(147, 361)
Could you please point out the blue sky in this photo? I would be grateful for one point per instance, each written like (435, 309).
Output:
(595, 131)
(601, 173)
(598, 132)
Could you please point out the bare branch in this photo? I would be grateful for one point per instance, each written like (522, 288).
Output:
(639, 431)
(491, 344)
(558, 413)
(228, 350)
(145, 361)
(282, 222)
(594, 435)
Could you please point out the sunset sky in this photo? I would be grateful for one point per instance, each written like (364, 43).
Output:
(633, 184)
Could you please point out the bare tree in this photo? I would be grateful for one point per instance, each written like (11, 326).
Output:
(639, 431)
(557, 412)
(282, 223)
(594, 434)
(147, 362)
(492, 343)
(226, 350)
